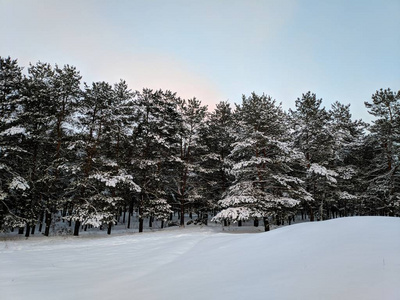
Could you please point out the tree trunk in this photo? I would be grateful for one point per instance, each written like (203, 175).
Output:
(48, 223)
(130, 213)
(266, 224)
(141, 214)
(41, 217)
(21, 230)
(129, 220)
(64, 211)
(33, 229)
(255, 222)
(140, 224)
(76, 228)
(182, 216)
(28, 228)
(109, 228)
(311, 214)
(240, 223)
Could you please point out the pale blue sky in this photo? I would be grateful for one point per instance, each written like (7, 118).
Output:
(216, 49)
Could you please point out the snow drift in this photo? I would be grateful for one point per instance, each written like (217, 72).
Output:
(349, 258)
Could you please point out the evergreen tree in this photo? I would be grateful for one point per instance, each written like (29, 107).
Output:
(14, 185)
(314, 139)
(155, 139)
(348, 137)
(216, 139)
(261, 159)
(40, 109)
(96, 173)
(65, 94)
(187, 191)
(384, 180)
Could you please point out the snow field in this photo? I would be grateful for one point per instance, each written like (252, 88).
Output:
(349, 258)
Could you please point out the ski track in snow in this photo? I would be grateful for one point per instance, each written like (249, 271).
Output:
(110, 263)
(349, 258)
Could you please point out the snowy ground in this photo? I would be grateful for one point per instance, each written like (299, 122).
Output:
(349, 258)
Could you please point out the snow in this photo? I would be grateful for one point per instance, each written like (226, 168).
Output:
(13, 131)
(113, 180)
(19, 183)
(237, 213)
(348, 258)
(321, 170)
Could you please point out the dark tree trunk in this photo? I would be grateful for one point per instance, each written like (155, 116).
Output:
(48, 223)
(266, 224)
(21, 230)
(162, 223)
(240, 223)
(140, 211)
(28, 230)
(140, 224)
(130, 213)
(33, 229)
(150, 221)
(64, 211)
(129, 220)
(311, 214)
(256, 222)
(182, 216)
(109, 228)
(41, 217)
(76, 228)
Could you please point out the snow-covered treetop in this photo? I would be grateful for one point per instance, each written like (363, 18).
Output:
(322, 171)
(113, 180)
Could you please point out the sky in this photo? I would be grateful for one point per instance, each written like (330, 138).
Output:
(216, 50)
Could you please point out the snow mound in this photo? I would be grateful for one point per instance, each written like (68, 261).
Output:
(349, 258)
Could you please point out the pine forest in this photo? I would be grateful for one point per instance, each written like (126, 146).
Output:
(75, 156)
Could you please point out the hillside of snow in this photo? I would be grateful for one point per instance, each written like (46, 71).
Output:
(348, 258)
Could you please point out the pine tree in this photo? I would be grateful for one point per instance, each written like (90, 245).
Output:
(187, 191)
(216, 139)
(14, 178)
(155, 138)
(65, 93)
(261, 159)
(96, 171)
(313, 138)
(348, 137)
(384, 183)
(39, 112)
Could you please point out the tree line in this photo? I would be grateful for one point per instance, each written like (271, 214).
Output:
(90, 154)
